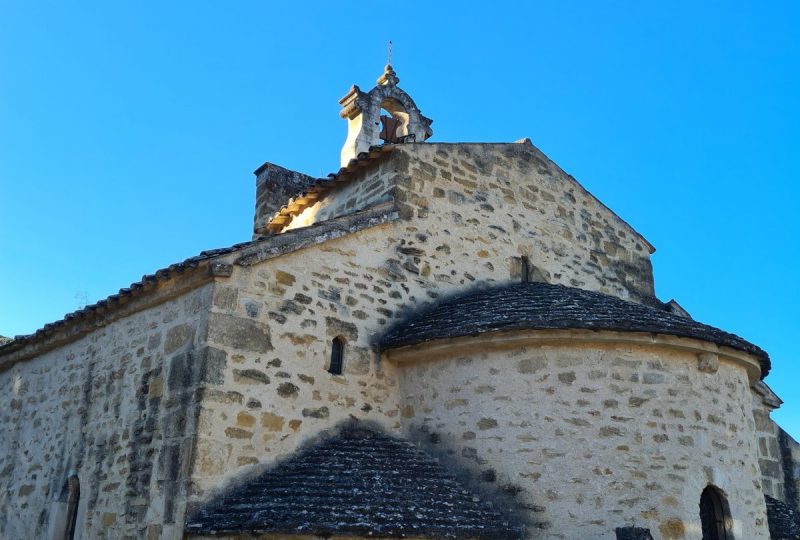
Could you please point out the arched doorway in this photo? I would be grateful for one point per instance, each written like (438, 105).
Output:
(715, 515)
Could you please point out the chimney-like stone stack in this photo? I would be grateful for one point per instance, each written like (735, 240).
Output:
(274, 187)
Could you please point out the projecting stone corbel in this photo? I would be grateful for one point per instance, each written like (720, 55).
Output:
(218, 269)
(708, 362)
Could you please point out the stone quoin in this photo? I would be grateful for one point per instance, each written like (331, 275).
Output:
(437, 341)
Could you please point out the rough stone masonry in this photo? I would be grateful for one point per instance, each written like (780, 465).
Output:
(209, 375)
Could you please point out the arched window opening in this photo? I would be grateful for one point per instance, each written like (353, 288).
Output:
(73, 498)
(715, 516)
(337, 356)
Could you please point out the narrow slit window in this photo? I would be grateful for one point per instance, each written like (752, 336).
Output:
(337, 356)
(525, 269)
(73, 499)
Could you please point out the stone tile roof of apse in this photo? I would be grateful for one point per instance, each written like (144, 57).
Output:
(359, 483)
(783, 521)
(542, 306)
(315, 192)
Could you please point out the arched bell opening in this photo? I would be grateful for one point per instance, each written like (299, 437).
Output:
(394, 122)
(384, 115)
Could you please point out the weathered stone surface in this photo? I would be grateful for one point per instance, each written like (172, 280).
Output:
(250, 376)
(288, 389)
(178, 336)
(321, 412)
(114, 407)
(336, 327)
(239, 333)
(708, 362)
(272, 422)
(628, 450)
(238, 433)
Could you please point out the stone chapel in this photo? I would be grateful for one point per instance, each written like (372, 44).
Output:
(438, 341)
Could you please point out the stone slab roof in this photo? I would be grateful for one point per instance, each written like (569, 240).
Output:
(97, 314)
(784, 523)
(360, 483)
(200, 268)
(542, 306)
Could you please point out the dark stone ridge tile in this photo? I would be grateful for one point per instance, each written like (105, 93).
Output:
(543, 306)
(361, 483)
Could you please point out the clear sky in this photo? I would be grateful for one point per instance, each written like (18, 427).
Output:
(129, 132)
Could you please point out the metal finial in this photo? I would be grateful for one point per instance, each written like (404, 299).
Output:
(389, 77)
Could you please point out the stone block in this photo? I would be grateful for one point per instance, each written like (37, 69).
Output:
(321, 412)
(239, 333)
(273, 422)
(178, 336)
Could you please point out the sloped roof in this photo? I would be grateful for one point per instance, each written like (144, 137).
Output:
(360, 483)
(210, 262)
(102, 308)
(316, 191)
(542, 306)
(783, 521)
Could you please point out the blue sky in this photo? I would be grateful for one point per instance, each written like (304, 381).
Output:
(129, 132)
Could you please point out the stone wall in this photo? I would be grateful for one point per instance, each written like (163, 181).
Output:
(790, 461)
(274, 323)
(113, 407)
(582, 439)
(349, 198)
(769, 452)
(242, 363)
(275, 185)
(778, 452)
(470, 212)
(509, 200)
